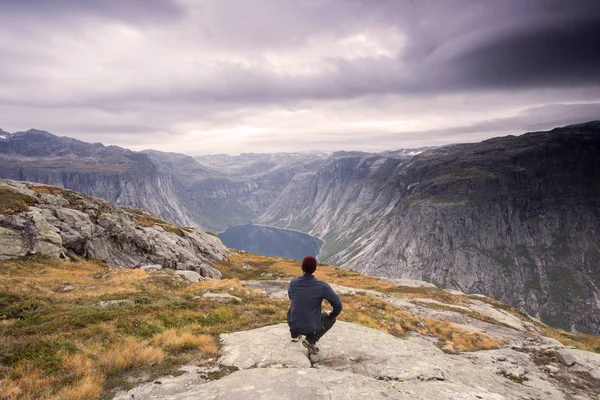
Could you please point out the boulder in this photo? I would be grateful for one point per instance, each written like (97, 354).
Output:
(413, 365)
(221, 297)
(92, 228)
(111, 303)
(191, 276)
(151, 267)
(580, 360)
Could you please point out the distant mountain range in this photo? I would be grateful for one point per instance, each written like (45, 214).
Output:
(517, 218)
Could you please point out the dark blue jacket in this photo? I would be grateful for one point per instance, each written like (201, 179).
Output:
(306, 293)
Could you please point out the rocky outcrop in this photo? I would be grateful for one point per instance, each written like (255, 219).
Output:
(359, 362)
(515, 218)
(54, 222)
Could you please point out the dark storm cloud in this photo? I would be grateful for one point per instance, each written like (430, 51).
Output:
(207, 67)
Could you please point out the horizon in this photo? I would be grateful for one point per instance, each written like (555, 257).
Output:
(288, 152)
(232, 77)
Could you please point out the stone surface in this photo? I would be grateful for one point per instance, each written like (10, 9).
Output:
(499, 315)
(409, 282)
(191, 276)
(112, 303)
(152, 267)
(91, 228)
(64, 288)
(579, 360)
(485, 217)
(221, 297)
(439, 303)
(370, 353)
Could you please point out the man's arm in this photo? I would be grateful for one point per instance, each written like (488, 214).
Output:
(333, 299)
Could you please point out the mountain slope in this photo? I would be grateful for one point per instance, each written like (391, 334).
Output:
(115, 174)
(515, 218)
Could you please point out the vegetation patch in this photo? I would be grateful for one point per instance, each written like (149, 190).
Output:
(12, 202)
(142, 218)
(64, 345)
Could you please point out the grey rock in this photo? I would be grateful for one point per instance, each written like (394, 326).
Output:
(53, 200)
(408, 282)
(11, 244)
(580, 360)
(64, 288)
(552, 369)
(221, 297)
(191, 276)
(499, 315)
(170, 387)
(413, 365)
(151, 268)
(110, 234)
(566, 357)
(468, 217)
(246, 267)
(111, 303)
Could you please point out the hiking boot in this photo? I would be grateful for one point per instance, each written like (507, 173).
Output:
(295, 339)
(312, 347)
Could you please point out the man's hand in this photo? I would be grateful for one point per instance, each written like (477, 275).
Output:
(328, 313)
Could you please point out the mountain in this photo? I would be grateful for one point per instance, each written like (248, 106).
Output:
(218, 192)
(516, 218)
(221, 191)
(115, 174)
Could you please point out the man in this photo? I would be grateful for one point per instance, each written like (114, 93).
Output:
(304, 316)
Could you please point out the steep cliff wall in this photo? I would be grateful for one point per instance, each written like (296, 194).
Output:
(118, 175)
(516, 218)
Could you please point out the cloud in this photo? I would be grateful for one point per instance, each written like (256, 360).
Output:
(225, 73)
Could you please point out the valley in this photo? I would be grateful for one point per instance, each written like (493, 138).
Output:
(514, 217)
(270, 241)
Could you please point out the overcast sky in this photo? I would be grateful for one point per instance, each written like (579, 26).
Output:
(231, 76)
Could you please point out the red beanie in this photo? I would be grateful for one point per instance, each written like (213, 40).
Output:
(309, 264)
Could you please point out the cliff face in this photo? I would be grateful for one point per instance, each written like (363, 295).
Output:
(515, 217)
(118, 175)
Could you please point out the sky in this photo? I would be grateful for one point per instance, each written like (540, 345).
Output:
(233, 76)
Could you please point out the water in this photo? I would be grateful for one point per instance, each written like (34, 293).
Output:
(271, 241)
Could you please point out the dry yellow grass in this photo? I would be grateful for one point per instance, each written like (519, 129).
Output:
(41, 276)
(26, 382)
(173, 340)
(87, 388)
(168, 323)
(580, 340)
(374, 313)
(128, 354)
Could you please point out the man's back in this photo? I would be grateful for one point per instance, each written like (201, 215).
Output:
(307, 293)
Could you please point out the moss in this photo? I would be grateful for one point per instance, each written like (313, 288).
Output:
(221, 373)
(43, 353)
(144, 219)
(14, 203)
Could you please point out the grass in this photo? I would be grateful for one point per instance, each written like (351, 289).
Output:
(13, 203)
(77, 201)
(375, 313)
(142, 218)
(63, 345)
